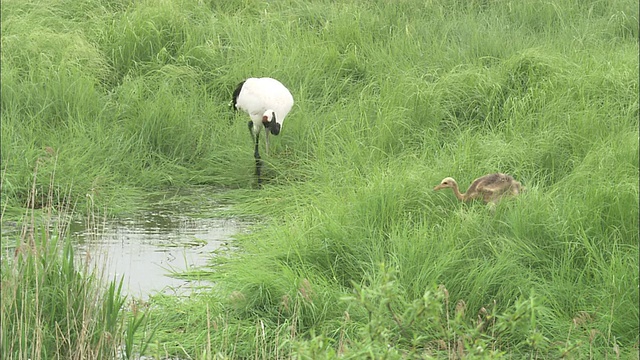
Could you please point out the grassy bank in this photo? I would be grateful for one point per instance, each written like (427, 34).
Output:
(356, 250)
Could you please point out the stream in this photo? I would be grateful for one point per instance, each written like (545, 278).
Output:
(172, 232)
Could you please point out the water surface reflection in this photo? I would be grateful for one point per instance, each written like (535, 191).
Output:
(172, 232)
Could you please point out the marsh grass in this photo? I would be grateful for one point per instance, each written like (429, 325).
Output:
(55, 305)
(391, 97)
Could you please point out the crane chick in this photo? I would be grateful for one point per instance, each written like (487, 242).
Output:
(490, 188)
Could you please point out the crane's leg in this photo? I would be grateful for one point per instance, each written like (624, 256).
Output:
(256, 155)
(256, 152)
(492, 207)
(266, 141)
(250, 125)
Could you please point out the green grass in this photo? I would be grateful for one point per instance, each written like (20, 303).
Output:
(119, 97)
(54, 304)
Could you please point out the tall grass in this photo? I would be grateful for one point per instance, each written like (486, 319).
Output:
(391, 97)
(55, 305)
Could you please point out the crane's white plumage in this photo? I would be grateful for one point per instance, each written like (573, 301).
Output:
(267, 102)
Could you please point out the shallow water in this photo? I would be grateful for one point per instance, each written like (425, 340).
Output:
(172, 232)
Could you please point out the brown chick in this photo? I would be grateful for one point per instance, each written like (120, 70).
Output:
(490, 188)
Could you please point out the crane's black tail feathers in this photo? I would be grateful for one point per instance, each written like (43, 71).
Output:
(236, 93)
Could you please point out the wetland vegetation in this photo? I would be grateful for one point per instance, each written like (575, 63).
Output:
(353, 254)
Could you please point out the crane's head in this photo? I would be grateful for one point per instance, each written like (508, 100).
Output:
(270, 123)
(446, 183)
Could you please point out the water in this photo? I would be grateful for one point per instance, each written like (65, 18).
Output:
(170, 233)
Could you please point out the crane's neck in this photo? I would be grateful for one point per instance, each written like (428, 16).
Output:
(456, 192)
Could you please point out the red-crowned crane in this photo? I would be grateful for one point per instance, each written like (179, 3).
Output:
(267, 102)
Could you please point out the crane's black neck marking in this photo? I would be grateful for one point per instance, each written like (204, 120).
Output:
(236, 93)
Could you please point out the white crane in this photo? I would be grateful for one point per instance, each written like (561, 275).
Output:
(267, 102)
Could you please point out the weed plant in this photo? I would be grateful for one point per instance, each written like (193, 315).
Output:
(354, 251)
